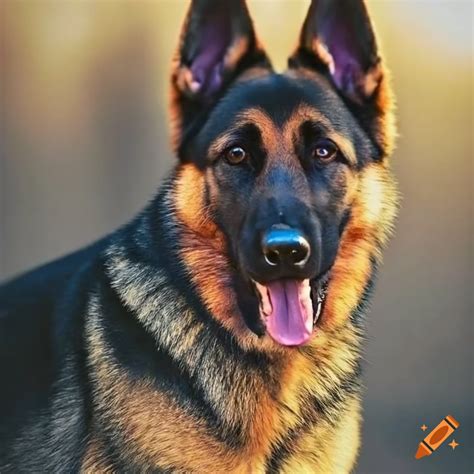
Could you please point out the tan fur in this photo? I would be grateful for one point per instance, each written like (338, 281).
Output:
(236, 52)
(94, 461)
(150, 422)
(385, 124)
(203, 247)
(373, 213)
(338, 448)
(305, 113)
(153, 429)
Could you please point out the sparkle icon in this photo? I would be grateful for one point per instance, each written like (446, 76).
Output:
(453, 444)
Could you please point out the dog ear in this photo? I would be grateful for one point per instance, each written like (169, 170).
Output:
(337, 37)
(218, 43)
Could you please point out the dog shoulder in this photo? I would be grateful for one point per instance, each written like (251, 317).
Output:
(40, 334)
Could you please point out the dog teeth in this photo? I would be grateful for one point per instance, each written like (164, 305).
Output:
(317, 312)
(320, 297)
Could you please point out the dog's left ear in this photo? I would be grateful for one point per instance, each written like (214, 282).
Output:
(338, 41)
(337, 36)
(218, 43)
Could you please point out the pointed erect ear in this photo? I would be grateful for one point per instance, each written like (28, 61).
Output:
(218, 43)
(337, 37)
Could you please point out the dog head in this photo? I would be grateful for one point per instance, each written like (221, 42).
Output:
(283, 178)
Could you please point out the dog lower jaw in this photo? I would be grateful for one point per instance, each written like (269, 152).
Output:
(291, 309)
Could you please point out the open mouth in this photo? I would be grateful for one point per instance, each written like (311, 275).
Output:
(290, 309)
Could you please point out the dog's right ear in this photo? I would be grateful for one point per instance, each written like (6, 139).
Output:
(218, 44)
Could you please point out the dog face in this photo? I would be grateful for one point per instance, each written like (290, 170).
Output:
(281, 158)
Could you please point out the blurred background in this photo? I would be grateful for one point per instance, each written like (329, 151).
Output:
(84, 144)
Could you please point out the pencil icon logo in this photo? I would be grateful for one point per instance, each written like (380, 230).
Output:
(437, 437)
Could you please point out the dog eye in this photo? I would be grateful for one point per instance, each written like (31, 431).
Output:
(325, 151)
(236, 155)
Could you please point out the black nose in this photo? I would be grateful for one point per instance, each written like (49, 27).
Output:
(285, 247)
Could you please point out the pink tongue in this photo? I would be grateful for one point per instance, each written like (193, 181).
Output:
(290, 321)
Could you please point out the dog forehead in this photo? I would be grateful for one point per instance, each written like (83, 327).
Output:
(278, 97)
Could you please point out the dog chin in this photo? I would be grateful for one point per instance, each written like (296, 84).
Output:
(290, 309)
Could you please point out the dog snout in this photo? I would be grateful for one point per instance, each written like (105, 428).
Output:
(285, 248)
(280, 239)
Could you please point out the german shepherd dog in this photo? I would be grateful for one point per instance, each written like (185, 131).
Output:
(220, 330)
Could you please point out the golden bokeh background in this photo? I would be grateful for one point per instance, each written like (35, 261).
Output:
(84, 144)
